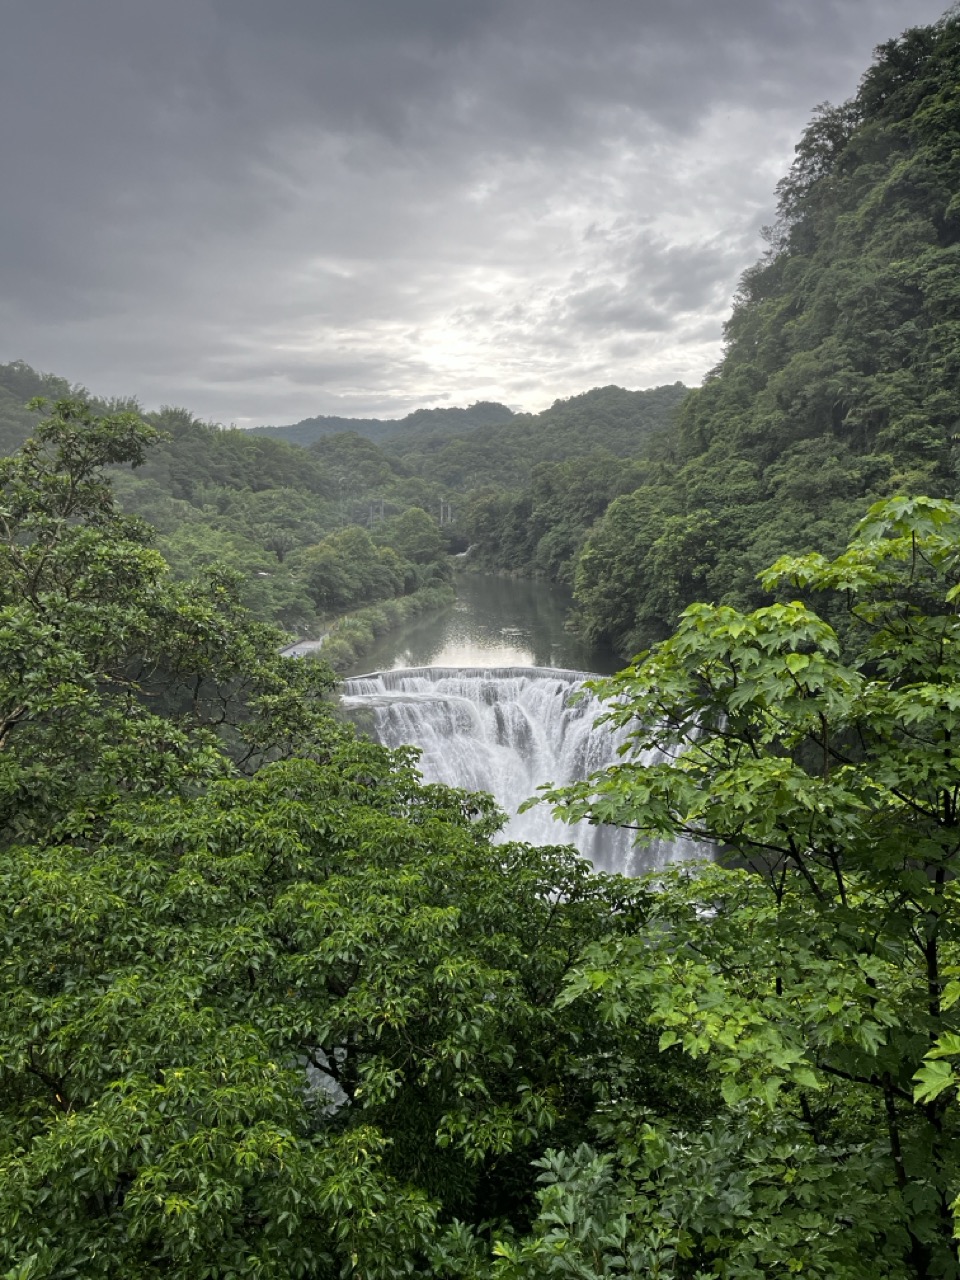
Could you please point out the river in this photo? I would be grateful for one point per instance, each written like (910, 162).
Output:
(491, 692)
(496, 622)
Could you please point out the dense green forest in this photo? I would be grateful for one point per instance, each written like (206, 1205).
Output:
(309, 536)
(522, 493)
(530, 491)
(606, 419)
(841, 378)
(273, 1007)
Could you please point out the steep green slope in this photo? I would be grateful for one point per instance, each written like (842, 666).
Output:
(535, 488)
(841, 379)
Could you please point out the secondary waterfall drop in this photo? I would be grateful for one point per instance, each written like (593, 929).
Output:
(508, 730)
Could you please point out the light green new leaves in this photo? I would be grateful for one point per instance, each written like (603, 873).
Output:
(819, 978)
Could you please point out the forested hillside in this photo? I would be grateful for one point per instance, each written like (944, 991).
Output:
(451, 421)
(298, 530)
(529, 491)
(523, 492)
(608, 419)
(841, 378)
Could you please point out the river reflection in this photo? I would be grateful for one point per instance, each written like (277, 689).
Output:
(496, 622)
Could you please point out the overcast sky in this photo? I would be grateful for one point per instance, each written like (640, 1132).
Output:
(267, 209)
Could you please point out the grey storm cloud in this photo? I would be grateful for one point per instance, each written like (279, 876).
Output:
(267, 210)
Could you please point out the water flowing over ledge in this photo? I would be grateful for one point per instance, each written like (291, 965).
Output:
(508, 730)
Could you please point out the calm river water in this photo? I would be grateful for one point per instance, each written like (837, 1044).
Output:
(496, 622)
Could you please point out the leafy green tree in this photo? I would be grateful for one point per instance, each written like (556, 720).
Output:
(18, 385)
(274, 1028)
(415, 536)
(347, 569)
(270, 1005)
(96, 638)
(614, 574)
(812, 985)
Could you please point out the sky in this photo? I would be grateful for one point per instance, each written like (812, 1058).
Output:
(264, 210)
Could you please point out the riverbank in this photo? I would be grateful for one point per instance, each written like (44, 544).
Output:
(349, 638)
(495, 622)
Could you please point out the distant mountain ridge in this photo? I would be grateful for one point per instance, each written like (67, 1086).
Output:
(455, 421)
(613, 419)
(524, 489)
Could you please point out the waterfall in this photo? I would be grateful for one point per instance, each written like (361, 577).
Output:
(507, 731)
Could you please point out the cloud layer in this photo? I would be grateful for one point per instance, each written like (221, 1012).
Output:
(264, 211)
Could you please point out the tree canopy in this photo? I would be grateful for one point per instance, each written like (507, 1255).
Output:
(839, 384)
(813, 972)
(272, 1006)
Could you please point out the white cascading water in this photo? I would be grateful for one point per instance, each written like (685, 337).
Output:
(507, 731)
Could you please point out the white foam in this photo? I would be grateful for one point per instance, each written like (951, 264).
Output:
(508, 730)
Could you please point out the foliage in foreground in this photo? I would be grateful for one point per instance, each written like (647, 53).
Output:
(817, 985)
(272, 1007)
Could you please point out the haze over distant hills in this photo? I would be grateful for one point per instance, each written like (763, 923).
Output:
(524, 489)
(453, 421)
